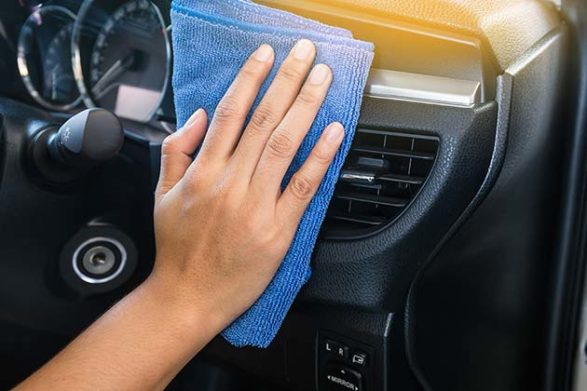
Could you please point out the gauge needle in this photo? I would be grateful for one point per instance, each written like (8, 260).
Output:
(117, 69)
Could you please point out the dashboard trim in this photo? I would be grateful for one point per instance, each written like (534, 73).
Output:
(77, 60)
(387, 84)
(23, 67)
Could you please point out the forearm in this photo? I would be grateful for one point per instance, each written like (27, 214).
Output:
(141, 343)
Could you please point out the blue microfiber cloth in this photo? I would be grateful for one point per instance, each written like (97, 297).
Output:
(260, 14)
(211, 40)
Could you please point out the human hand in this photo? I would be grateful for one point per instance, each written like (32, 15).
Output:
(222, 223)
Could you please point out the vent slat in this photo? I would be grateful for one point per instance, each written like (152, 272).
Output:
(357, 176)
(394, 152)
(368, 220)
(373, 199)
(368, 177)
(391, 133)
(383, 173)
(408, 179)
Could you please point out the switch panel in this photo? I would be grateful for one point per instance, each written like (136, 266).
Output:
(344, 364)
(340, 378)
(359, 359)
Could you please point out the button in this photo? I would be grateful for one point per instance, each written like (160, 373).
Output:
(331, 346)
(343, 379)
(336, 348)
(342, 351)
(359, 359)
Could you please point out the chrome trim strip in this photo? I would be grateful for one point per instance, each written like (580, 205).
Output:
(386, 84)
(353, 176)
(95, 280)
(23, 66)
(76, 60)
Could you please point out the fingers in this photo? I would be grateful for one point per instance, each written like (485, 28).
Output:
(284, 142)
(274, 105)
(177, 151)
(232, 110)
(304, 184)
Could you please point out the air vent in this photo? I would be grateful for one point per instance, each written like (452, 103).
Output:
(382, 174)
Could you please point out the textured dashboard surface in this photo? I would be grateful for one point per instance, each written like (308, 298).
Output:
(509, 27)
(488, 291)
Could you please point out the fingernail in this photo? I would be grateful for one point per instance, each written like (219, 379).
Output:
(334, 132)
(264, 53)
(303, 49)
(319, 74)
(192, 120)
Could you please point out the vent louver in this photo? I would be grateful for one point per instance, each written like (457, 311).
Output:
(383, 173)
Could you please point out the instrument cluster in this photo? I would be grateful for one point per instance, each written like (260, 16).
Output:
(113, 54)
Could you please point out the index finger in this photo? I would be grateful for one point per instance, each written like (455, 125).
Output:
(229, 117)
(303, 185)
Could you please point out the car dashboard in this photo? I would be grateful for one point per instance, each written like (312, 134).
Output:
(437, 239)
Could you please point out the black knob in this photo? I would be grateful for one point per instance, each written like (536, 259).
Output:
(66, 154)
(86, 139)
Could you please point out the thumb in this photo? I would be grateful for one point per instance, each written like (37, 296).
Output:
(177, 151)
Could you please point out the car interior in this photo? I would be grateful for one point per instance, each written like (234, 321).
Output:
(452, 256)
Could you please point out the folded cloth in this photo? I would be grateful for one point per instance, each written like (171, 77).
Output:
(211, 41)
(260, 14)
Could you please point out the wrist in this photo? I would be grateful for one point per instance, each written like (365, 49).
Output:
(192, 315)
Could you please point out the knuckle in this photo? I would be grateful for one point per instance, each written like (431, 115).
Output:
(168, 145)
(227, 109)
(231, 204)
(291, 74)
(193, 182)
(162, 188)
(264, 118)
(276, 245)
(253, 223)
(201, 163)
(320, 156)
(280, 144)
(250, 72)
(301, 187)
(308, 98)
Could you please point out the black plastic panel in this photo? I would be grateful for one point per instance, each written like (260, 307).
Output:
(375, 273)
(480, 311)
(296, 356)
(37, 219)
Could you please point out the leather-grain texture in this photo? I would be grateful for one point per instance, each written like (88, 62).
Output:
(488, 292)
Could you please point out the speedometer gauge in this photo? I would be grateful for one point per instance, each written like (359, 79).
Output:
(44, 58)
(122, 56)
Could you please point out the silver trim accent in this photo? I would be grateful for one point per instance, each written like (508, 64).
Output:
(386, 84)
(352, 176)
(76, 60)
(92, 280)
(23, 67)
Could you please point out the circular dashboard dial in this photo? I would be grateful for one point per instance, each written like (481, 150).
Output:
(44, 58)
(122, 57)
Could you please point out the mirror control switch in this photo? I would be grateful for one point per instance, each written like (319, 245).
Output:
(359, 359)
(336, 348)
(340, 378)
